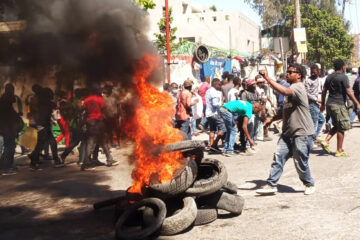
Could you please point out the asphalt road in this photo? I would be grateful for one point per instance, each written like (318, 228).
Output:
(57, 203)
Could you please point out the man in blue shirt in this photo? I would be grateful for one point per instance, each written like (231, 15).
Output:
(229, 112)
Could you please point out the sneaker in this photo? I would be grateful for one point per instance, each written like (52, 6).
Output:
(35, 167)
(86, 167)
(341, 154)
(266, 189)
(8, 173)
(97, 163)
(319, 140)
(112, 163)
(59, 165)
(309, 190)
(215, 149)
(267, 139)
(229, 154)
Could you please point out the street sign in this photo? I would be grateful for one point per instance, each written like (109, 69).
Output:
(299, 34)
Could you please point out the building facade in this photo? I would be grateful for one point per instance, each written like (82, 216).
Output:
(221, 29)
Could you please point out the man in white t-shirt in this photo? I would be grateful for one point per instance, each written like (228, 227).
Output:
(234, 92)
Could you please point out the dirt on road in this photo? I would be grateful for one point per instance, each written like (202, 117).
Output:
(57, 203)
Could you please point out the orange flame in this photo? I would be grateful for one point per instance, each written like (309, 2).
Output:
(150, 127)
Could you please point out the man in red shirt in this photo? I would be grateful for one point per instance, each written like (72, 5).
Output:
(94, 105)
(202, 91)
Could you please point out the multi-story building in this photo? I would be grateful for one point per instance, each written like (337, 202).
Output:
(221, 29)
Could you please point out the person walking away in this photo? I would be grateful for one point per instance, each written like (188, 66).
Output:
(355, 87)
(312, 88)
(43, 125)
(94, 105)
(10, 125)
(213, 100)
(183, 108)
(298, 129)
(228, 85)
(229, 112)
(338, 86)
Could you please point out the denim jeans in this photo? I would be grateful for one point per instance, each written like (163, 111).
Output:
(314, 111)
(193, 126)
(184, 125)
(297, 147)
(355, 112)
(320, 124)
(229, 121)
(252, 128)
(9, 151)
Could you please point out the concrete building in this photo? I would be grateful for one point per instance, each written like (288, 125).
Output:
(356, 49)
(221, 29)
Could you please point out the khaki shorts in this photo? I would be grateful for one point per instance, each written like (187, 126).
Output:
(340, 116)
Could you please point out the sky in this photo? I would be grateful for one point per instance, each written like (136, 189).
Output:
(352, 10)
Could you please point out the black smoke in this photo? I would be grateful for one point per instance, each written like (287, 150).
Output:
(97, 40)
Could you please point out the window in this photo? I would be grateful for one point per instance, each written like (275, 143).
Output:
(227, 17)
(214, 18)
(189, 20)
(184, 8)
(202, 19)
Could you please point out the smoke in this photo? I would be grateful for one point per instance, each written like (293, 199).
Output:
(97, 40)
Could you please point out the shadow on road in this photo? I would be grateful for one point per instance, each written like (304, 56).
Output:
(37, 208)
(281, 188)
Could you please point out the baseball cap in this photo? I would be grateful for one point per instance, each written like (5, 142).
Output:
(250, 82)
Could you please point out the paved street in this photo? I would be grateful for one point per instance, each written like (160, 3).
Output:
(57, 203)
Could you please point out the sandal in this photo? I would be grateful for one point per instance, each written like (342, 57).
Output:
(341, 154)
(325, 146)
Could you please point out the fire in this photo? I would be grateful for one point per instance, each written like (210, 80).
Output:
(150, 127)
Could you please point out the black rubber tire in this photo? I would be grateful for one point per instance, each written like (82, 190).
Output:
(180, 220)
(177, 185)
(205, 215)
(185, 146)
(126, 232)
(225, 201)
(201, 54)
(230, 187)
(196, 154)
(203, 187)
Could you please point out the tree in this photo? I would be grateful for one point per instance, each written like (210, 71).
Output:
(273, 11)
(213, 8)
(145, 4)
(161, 37)
(327, 38)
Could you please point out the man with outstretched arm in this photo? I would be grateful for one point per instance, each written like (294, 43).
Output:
(298, 128)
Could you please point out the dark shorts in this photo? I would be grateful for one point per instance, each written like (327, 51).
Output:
(216, 123)
(340, 116)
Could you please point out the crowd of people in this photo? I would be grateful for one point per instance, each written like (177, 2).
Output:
(225, 108)
(88, 117)
(233, 106)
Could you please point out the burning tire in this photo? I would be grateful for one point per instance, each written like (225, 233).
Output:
(123, 231)
(229, 187)
(205, 215)
(212, 176)
(185, 146)
(180, 220)
(225, 201)
(178, 184)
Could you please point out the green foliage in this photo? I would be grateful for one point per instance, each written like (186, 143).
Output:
(145, 4)
(272, 12)
(161, 37)
(327, 37)
(213, 8)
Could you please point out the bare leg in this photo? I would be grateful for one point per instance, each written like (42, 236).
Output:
(211, 138)
(340, 141)
(330, 134)
(218, 137)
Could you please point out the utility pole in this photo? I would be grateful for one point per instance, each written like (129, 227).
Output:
(298, 23)
(343, 9)
(167, 40)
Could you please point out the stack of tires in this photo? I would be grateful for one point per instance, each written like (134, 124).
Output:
(193, 197)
